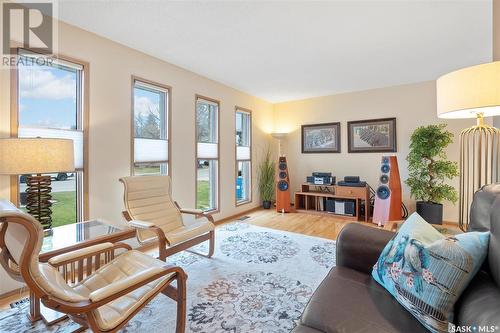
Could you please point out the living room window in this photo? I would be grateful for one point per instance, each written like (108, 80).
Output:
(51, 104)
(207, 153)
(150, 144)
(243, 155)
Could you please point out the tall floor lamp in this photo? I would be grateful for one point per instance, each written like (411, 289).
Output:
(279, 137)
(473, 92)
(34, 157)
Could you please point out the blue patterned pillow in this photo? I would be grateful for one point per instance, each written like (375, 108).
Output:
(426, 271)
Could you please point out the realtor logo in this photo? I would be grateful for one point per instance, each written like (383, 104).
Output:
(28, 25)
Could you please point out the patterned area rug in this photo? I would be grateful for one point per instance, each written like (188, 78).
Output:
(259, 280)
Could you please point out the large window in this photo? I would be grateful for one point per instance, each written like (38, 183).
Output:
(207, 153)
(150, 153)
(243, 156)
(50, 104)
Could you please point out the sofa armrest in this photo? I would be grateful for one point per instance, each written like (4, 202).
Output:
(359, 246)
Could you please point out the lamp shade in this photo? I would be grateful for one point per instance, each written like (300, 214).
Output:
(469, 91)
(278, 136)
(30, 156)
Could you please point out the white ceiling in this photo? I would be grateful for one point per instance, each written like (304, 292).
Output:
(280, 50)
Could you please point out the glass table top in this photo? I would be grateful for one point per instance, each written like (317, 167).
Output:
(70, 234)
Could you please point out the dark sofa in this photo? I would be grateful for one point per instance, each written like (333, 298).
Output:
(349, 300)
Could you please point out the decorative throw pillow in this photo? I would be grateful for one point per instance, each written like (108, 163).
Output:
(426, 271)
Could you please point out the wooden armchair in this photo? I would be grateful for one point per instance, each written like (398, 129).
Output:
(92, 302)
(150, 209)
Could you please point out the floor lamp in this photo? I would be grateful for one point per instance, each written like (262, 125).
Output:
(473, 92)
(34, 157)
(279, 137)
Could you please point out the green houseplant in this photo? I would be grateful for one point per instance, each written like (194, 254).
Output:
(429, 169)
(266, 179)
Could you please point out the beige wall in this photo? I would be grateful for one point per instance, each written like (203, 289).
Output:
(413, 105)
(496, 30)
(111, 67)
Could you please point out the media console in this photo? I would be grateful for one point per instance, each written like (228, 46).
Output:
(311, 199)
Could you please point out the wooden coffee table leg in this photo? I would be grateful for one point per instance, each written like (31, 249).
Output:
(50, 317)
(39, 311)
(34, 314)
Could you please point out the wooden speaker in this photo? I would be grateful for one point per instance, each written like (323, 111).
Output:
(388, 197)
(282, 187)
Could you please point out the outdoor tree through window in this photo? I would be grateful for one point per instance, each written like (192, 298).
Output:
(150, 118)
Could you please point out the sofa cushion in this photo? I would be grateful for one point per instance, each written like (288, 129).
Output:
(426, 272)
(351, 301)
(479, 305)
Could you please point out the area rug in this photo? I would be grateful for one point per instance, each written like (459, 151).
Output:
(259, 280)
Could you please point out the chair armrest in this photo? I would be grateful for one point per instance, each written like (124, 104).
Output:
(197, 213)
(141, 224)
(81, 253)
(191, 211)
(138, 279)
(359, 246)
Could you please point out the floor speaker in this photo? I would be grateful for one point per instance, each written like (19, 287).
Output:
(388, 197)
(282, 187)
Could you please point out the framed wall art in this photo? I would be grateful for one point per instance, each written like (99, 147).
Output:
(321, 138)
(372, 136)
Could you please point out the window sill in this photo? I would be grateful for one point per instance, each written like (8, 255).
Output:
(243, 203)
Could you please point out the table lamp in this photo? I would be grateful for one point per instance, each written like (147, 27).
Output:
(473, 92)
(32, 157)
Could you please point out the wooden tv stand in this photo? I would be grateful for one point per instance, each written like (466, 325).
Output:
(307, 200)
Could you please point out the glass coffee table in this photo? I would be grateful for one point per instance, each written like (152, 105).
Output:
(70, 237)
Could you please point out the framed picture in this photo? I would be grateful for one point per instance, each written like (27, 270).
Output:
(321, 138)
(372, 136)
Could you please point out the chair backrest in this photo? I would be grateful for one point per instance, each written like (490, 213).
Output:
(21, 238)
(148, 198)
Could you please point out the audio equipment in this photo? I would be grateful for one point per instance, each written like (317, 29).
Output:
(321, 174)
(320, 180)
(345, 207)
(388, 197)
(355, 184)
(330, 205)
(351, 179)
(283, 187)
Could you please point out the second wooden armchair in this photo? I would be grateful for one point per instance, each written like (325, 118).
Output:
(150, 209)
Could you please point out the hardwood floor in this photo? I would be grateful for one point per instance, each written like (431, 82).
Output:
(325, 226)
(319, 225)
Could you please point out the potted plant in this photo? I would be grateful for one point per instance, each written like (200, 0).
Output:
(266, 180)
(429, 169)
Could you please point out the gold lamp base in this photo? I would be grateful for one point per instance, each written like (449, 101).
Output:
(479, 165)
(38, 199)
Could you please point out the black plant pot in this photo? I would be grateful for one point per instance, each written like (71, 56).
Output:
(431, 212)
(266, 204)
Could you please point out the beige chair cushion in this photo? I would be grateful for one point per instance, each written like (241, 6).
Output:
(184, 233)
(131, 263)
(53, 283)
(147, 198)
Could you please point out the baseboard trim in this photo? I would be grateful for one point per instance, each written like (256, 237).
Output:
(14, 292)
(235, 216)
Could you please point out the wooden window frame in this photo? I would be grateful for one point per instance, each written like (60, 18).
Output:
(14, 125)
(250, 199)
(169, 120)
(217, 208)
